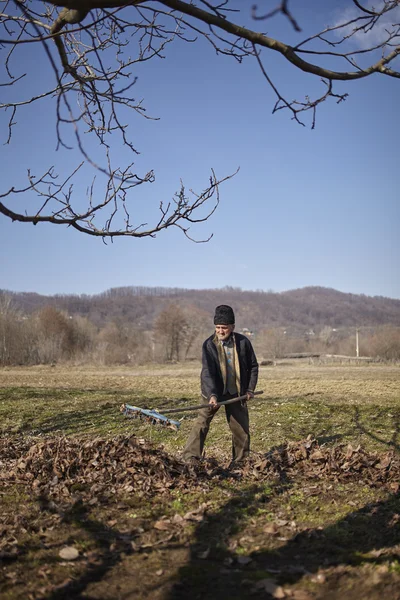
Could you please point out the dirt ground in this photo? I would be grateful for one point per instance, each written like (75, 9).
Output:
(95, 506)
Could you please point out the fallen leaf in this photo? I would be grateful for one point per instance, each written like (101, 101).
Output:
(162, 524)
(385, 462)
(271, 528)
(193, 516)
(177, 518)
(317, 455)
(281, 522)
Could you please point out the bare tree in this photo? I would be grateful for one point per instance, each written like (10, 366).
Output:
(385, 343)
(89, 45)
(273, 342)
(17, 336)
(197, 322)
(171, 327)
(55, 335)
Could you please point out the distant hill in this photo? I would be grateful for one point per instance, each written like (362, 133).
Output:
(314, 307)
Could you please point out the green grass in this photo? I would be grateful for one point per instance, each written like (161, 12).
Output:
(34, 411)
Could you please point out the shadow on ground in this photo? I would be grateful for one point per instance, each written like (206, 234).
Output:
(110, 549)
(366, 536)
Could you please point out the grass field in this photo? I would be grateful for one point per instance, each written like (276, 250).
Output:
(299, 531)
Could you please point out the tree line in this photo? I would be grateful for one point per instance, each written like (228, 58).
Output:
(51, 336)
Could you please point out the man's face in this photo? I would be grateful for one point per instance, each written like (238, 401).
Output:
(223, 331)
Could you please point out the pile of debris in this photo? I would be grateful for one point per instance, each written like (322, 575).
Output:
(66, 468)
(63, 467)
(340, 463)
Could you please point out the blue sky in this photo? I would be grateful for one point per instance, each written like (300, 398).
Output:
(308, 207)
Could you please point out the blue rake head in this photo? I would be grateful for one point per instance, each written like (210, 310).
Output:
(151, 416)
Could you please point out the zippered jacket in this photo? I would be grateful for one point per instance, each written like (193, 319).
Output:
(213, 374)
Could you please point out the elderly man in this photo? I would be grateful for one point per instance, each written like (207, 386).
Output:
(229, 369)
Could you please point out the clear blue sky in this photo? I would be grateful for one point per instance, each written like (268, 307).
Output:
(308, 207)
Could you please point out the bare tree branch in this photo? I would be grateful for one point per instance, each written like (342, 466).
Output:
(283, 8)
(91, 47)
(56, 205)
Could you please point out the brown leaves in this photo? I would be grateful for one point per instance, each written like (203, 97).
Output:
(271, 529)
(385, 462)
(96, 470)
(178, 521)
(317, 455)
(162, 524)
(343, 463)
(198, 514)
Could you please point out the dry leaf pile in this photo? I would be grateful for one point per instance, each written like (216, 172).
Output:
(62, 468)
(341, 463)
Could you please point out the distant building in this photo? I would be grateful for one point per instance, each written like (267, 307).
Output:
(247, 332)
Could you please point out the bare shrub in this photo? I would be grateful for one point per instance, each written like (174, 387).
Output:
(17, 336)
(385, 343)
(272, 343)
(171, 328)
(55, 335)
(120, 343)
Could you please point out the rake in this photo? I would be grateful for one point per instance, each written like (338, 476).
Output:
(154, 417)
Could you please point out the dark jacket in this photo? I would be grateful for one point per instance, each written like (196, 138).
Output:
(212, 383)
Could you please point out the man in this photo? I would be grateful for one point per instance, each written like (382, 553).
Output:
(229, 370)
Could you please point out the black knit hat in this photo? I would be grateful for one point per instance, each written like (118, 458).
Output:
(224, 315)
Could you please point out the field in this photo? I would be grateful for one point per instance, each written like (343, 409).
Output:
(95, 505)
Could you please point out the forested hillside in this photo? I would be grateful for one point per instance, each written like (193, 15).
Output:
(307, 307)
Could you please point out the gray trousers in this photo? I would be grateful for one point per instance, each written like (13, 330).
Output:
(238, 421)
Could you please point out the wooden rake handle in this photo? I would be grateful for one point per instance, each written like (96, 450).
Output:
(200, 406)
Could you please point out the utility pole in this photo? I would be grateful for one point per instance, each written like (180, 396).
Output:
(357, 349)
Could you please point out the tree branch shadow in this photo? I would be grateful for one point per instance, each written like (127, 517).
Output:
(111, 547)
(393, 442)
(224, 575)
